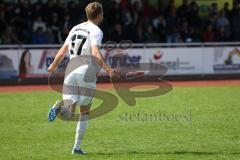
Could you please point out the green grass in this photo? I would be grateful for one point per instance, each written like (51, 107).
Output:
(212, 133)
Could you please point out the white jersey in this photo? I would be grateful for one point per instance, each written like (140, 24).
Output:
(79, 41)
(81, 38)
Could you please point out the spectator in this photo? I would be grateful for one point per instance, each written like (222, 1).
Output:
(66, 21)
(24, 10)
(55, 26)
(159, 22)
(223, 22)
(222, 35)
(37, 11)
(48, 9)
(74, 12)
(174, 37)
(128, 24)
(227, 10)
(196, 34)
(235, 9)
(194, 18)
(117, 34)
(150, 37)
(133, 17)
(209, 35)
(171, 24)
(126, 17)
(185, 32)
(159, 27)
(10, 12)
(39, 36)
(2, 6)
(147, 9)
(21, 22)
(213, 21)
(183, 10)
(112, 15)
(139, 36)
(139, 2)
(136, 12)
(236, 26)
(213, 9)
(8, 37)
(51, 37)
(60, 10)
(169, 8)
(123, 4)
(39, 24)
(3, 23)
(236, 2)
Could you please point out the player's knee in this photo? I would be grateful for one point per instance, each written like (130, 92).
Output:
(85, 112)
(65, 113)
(84, 108)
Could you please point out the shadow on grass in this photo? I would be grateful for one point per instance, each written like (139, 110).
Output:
(162, 153)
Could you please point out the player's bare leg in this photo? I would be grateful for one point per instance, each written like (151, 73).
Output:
(64, 110)
(81, 129)
(67, 112)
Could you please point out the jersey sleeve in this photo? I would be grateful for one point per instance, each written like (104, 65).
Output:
(96, 37)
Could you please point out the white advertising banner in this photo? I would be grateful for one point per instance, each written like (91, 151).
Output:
(221, 60)
(179, 61)
(9, 64)
(123, 58)
(27, 63)
(39, 60)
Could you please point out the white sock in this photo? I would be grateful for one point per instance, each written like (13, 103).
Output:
(80, 131)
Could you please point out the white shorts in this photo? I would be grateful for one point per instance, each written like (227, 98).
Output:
(77, 90)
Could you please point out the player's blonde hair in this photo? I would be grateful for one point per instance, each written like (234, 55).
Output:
(93, 10)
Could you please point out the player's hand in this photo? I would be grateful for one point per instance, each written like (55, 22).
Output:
(51, 68)
(113, 73)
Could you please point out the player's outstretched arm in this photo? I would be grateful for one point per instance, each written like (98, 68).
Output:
(98, 55)
(59, 57)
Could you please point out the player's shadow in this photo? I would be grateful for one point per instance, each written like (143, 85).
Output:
(162, 153)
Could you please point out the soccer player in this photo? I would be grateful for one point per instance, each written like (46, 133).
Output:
(83, 40)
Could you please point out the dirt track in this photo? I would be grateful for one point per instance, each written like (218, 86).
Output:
(30, 88)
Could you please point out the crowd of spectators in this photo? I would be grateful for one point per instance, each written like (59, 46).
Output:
(136, 20)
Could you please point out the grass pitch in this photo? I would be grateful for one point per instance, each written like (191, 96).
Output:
(210, 131)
